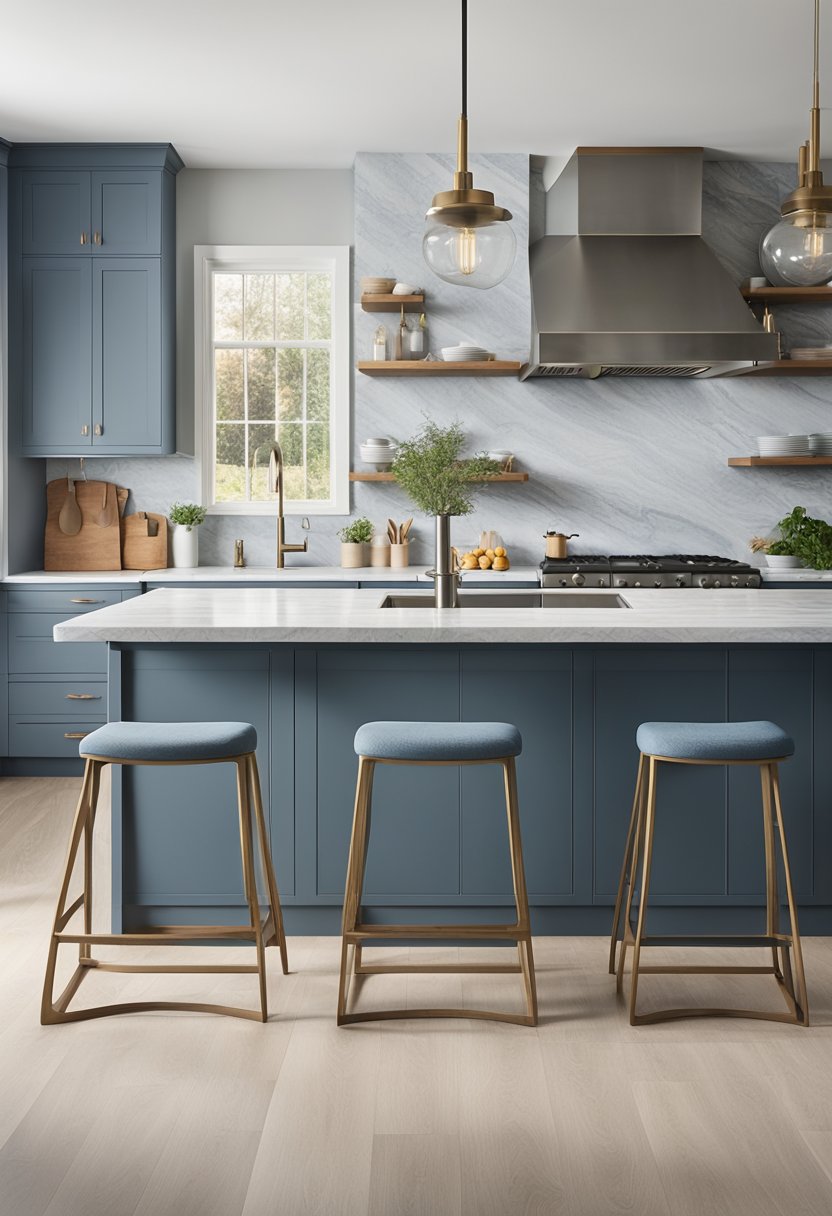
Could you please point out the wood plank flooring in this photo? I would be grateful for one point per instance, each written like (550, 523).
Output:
(193, 1115)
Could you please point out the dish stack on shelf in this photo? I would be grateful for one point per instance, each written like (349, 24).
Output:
(372, 285)
(379, 452)
(783, 445)
(821, 443)
(811, 352)
(464, 353)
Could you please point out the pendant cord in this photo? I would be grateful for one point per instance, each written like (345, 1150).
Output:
(816, 82)
(465, 59)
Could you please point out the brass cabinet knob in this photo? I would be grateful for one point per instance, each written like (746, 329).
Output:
(96, 238)
(84, 238)
(99, 429)
(85, 430)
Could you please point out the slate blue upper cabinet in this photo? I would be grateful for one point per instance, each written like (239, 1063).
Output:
(92, 343)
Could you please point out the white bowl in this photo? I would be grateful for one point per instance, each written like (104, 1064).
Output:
(404, 289)
(782, 561)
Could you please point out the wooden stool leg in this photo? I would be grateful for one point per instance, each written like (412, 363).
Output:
(521, 898)
(626, 865)
(355, 873)
(801, 995)
(51, 1011)
(250, 876)
(637, 846)
(772, 895)
(649, 823)
(268, 867)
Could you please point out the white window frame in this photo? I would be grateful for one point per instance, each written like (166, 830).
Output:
(273, 259)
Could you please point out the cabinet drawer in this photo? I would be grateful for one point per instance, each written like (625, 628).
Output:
(71, 602)
(31, 648)
(59, 699)
(59, 739)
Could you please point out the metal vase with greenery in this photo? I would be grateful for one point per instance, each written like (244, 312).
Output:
(186, 518)
(430, 469)
(355, 542)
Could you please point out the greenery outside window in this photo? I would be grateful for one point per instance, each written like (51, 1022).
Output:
(272, 362)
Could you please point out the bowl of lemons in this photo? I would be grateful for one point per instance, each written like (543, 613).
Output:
(485, 559)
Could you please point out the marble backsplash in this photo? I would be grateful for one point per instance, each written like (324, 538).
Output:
(631, 465)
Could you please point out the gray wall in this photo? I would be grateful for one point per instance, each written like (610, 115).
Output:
(630, 465)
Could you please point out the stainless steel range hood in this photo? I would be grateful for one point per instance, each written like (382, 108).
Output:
(623, 283)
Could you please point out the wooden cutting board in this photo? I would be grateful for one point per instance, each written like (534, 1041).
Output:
(94, 547)
(144, 543)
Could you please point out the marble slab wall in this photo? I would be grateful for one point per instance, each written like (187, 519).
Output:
(631, 465)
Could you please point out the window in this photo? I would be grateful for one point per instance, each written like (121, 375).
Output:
(272, 362)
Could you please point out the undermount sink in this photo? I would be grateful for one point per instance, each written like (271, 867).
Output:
(514, 599)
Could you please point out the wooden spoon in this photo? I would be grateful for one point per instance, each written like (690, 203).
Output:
(405, 528)
(392, 532)
(70, 519)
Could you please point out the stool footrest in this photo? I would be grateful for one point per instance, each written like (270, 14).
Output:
(161, 935)
(388, 1015)
(438, 969)
(362, 933)
(720, 940)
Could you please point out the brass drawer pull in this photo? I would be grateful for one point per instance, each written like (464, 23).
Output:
(85, 430)
(84, 238)
(76, 734)
(81, 600)
(98, 429)
(96, 238)
(81, 696)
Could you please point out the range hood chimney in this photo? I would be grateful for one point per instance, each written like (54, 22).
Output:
(623, 283)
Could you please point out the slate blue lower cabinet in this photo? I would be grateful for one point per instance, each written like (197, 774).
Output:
(438, 835)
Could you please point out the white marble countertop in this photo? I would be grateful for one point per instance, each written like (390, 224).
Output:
(798, 574)
(263, 615)
(269, 574)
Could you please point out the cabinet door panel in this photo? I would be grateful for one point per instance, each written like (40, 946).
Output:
(56, 213)
(533, 692)
(674, 686)
(127, 213)
(57, 383)
(414, 842)
(774, 684)
(127, 353)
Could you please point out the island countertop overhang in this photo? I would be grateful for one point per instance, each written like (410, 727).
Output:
(291, 615)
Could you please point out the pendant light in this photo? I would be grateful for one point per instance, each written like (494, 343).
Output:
(468, 240)
(797, 252)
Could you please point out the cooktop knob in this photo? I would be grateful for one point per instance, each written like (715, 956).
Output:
(578, 579)
(601, 583)
(680, 580)
(717, 583)
(563, 582)
(621, 582)
(704, 581)
(657, 582)
(735, 582)
(637, 583)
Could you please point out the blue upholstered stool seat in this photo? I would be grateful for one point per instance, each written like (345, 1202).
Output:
(437, 740)
(170, 740)
(714, 740)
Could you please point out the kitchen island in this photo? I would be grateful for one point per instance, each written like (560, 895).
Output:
(307, 667)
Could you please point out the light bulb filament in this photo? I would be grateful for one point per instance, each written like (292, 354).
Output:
(466, 250)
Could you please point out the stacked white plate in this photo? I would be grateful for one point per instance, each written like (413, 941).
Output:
(463, 353)
(379, 452)
(811, 352)
(372, 285)
(783, 445)
(821, 443)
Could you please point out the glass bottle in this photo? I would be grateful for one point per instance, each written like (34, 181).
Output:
(380, 344)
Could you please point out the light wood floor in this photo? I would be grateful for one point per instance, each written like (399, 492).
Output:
(193, 1115)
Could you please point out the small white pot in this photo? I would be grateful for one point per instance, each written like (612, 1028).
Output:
(783, 561)
(354, 555)
(184, 546)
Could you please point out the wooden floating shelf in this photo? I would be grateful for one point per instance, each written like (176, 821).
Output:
(758, 462)
(502, 477)
(788, 295)
(380, 302)
(407, 367)
(790, 367)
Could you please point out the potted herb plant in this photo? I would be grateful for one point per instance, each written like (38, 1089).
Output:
(355, 544)
(432, 472)
(802, 541)
(185, 518)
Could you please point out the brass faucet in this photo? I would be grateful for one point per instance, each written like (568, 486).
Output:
(275, 486)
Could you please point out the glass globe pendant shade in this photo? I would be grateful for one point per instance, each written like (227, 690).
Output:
(797, 252)
(468, 256)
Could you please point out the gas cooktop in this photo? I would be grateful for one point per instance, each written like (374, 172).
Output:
(647, 570)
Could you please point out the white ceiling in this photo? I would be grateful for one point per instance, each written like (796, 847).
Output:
(310, 82)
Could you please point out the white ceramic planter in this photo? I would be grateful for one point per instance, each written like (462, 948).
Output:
(354, 555)
(782, 561)
(184, 546)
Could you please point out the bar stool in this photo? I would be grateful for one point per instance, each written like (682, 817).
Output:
(166, 743)
(723, 743)
(440, 743)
